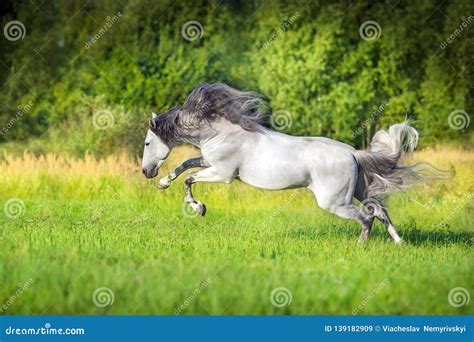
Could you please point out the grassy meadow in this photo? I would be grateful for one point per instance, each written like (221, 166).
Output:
(88, 236)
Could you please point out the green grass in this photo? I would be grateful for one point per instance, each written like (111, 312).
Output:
(78, 234)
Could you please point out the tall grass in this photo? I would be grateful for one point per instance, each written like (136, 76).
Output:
(90, 223)
(52, 176)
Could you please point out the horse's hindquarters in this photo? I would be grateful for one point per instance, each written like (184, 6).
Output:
(334, 176)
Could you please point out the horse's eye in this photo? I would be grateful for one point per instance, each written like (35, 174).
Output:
(146, 144)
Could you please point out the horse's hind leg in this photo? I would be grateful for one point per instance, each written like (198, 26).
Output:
(375, 208)
(352, 212)
(341, 206)
(366, 229)
(359, 194)
(382, 214)
(335, 191)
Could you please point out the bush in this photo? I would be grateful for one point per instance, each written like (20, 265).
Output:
(79, 60)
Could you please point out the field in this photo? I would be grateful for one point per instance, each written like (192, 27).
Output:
(87, 236)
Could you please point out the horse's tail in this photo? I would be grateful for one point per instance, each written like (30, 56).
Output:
(381, 166)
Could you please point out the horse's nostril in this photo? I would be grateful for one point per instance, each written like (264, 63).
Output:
(144, 171)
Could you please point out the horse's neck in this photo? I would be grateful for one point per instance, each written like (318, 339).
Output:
(219, 130)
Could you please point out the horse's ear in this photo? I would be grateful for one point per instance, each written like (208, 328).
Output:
(152, 123)
(152, 120)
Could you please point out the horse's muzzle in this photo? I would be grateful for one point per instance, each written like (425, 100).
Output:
(150, 174)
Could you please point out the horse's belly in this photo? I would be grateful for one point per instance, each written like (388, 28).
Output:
(273, 178)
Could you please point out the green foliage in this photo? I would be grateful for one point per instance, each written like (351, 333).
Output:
(308, 58)
(82, 228)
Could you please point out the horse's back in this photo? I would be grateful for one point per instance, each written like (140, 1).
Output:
(328, 141)
(277, 161)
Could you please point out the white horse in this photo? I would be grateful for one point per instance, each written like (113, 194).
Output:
(226, 125)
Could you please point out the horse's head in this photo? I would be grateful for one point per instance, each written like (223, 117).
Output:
(156, 150)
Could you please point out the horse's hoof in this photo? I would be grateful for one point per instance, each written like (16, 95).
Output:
(198, 207)
(201, 209)
(164, 183)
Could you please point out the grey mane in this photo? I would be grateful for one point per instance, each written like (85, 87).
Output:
(244, 108)
(168, 128)
(206, 104)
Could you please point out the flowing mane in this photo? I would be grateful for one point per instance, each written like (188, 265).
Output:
(244, 108)
(206, 104)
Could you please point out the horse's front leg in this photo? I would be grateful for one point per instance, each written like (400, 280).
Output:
(207, 175)
(165, 182)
